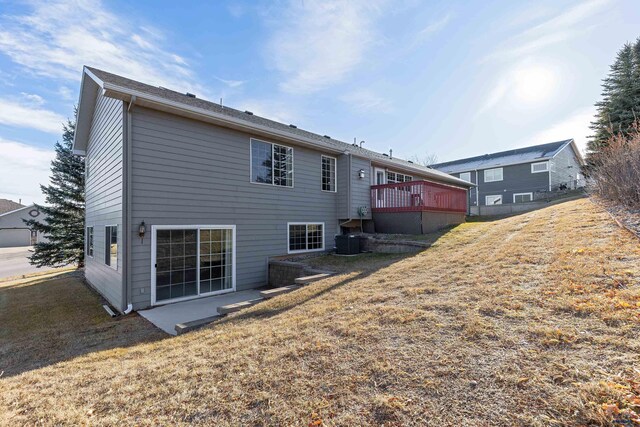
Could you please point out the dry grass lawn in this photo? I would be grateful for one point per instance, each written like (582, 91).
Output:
(529, 320)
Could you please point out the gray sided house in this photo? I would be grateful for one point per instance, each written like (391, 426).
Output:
(188, 198)
(13, 231)
(521, 175)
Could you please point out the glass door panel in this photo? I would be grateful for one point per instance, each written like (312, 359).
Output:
(216, 260)
(176, 264)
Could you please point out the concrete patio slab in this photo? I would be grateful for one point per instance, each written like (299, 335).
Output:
(167, 316)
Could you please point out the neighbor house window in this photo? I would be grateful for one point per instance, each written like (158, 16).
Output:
(306, 236)
(271, 164)
(466, 176)
(89, 251)
(396, 177)
(493, 200)
(539, 167)
(522, 197)
(111, 246)
(328, 173)
(492, 175)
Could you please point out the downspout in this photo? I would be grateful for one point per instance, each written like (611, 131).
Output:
(348, 191)
(127, 209)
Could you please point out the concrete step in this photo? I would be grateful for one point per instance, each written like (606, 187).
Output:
(231, 308)
(310, 279)
(270, 293)
(181, 328)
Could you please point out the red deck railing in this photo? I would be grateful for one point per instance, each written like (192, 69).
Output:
(416, 196)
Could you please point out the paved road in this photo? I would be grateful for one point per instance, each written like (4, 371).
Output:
(14, 262)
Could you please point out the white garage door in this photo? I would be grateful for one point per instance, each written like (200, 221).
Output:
(11, 237)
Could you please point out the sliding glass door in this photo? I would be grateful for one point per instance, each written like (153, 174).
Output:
(192, 261)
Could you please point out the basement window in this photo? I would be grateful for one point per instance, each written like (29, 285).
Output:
(305, 237)
(493, 200)
(271, 164)
(522, 197)
(111, 246)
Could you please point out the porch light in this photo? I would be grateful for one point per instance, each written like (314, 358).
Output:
(361, 174)
(142, 229)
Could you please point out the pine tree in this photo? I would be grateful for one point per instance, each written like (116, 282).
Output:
(620, 104)
(64, 223)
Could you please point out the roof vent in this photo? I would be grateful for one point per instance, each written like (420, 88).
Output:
(293, 126)
(190, 95)
(385, 154)
(248, 112)
(409, 161)
(327, 136)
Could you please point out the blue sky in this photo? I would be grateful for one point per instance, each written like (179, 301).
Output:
(450, 78)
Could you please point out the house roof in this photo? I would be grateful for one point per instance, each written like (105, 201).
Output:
(7, 205)
(511, 157)
(142, 94)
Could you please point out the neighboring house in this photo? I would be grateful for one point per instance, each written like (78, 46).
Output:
(13, 231)
(521, 175)
(186, 198)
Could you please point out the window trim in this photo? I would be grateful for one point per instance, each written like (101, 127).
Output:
(289, 224)
(493, 195)
(462, 173)
(494, 180)
(540, 163)
(388, 171)
(335, 162)
(530, 194)
(90, 247)
(155, 228)
(107, 253)
(251, 181)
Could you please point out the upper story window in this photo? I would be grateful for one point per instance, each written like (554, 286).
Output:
(396, 177)
(492, 175)
(111, 246)
(466, 176)
(89, 250)
(328, 173)
(539, 167)
(271, 164)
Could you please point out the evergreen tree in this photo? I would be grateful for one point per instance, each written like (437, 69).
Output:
(620, 104)
(64, 225)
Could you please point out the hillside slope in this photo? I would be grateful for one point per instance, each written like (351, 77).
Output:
(529, 320)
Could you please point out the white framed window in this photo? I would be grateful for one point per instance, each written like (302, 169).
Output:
(397, 177)
(111, 246)
(522, 197)
(329, 177)
(305, 236)
(271, 164)
(493, 175)
(493, 200)
(466, 176)
(89, 248)
(539, 167)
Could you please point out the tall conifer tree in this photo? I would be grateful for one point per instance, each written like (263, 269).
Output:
(64, 223)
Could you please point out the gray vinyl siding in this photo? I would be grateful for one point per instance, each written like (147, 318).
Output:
(186, 172)
(343, 187)
(360, 187)
(472, 191)
(516, 179)
(564, 168)
(104, 195)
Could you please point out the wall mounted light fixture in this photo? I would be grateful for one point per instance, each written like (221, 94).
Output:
(142, 229)
(361, 174)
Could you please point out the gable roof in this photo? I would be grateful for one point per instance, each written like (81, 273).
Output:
(7, 205)
(530, 154)
(138, 93)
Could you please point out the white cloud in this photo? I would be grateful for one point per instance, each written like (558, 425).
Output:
(33, 98)
(65, 93)
(574, 126)
(568, 24)
(57, 38)
(13, 113)
(318, 43)
(23, 168)
(364, 100)
(432, 28)
(231, 83)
